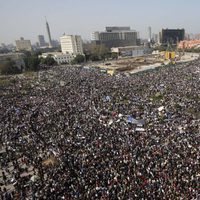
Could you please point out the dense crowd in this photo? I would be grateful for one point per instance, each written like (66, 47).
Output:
(78, 133)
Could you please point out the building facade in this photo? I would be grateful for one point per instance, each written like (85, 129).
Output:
(59, 57)
(23, 45)
(41, 41)
(188, 44)
(71, 44)
(172, 36)
(133, 51)
(115, 37)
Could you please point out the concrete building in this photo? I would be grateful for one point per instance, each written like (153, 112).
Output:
(188, 44)
(133, 51)
(115, 36)
(55, 43)
(155, 38)
(172, 36)
(59, 57)
(71, 44)
(23, 45)
(117, 28)
(41, 41)
(95, 36)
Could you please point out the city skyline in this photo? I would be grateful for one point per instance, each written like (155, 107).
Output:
(27, 19)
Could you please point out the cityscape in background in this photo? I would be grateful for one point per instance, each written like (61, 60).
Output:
(122, 40)
(113, 36)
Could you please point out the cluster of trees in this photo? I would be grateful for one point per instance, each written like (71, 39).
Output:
(9, 67)
(160, 48)
(78, 59)
(4, 51)
(98, 52)
(32, 62)
(95, 53)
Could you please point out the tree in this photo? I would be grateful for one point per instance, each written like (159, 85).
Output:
(160, 48)
(9, 67)
(37, 53)
(114, 55)
(32, 63)
(95, 52)
(78, 59)
(104, 52)
(94, 57)
(48, 61)
(99, 52)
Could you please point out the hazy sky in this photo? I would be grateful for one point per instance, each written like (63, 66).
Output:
(26, 18)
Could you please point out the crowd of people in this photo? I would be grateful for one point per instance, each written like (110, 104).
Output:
(79, 133)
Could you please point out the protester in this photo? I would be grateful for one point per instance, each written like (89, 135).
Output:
(78, 133)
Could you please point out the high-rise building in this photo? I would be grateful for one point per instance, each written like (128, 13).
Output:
(115, 37)
(55, 43)
(172, 36)
(155, 38)
(95, 36)
(71, 44)
(49, 34)
(41, 40)
(23, 45)
(117, 28)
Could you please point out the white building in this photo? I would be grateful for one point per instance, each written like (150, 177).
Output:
(71, 44)
(23, 45)
(134, 51)
(59, 57)
(95, 36)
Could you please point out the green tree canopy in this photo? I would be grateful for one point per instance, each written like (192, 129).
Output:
(78, 59)
(9, 67)
(48, 61)
(114, 55)
(100, 51)
(32, 63)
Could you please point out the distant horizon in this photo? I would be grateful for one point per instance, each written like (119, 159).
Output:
(27, 19)
(84, 39)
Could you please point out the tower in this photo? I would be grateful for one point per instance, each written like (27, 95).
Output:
(49, 34)
(150, 37)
